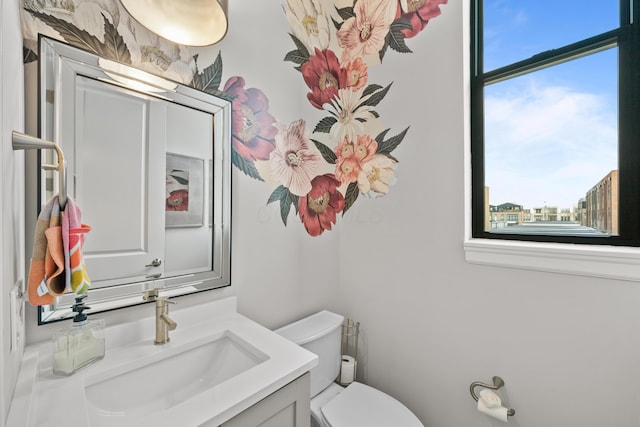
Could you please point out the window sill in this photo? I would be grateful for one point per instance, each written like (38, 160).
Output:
(610, 262)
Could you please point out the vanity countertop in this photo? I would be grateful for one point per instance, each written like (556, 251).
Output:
(44, 399)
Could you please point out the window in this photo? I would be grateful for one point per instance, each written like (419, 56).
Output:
(555, 122)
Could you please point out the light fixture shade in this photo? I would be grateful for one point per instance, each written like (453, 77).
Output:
(186, 22)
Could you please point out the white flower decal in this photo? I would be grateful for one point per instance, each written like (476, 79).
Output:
(308, 23)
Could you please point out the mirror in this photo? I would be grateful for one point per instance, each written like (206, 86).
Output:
(148, 164)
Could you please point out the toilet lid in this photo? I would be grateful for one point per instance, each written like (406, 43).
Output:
(362, 406)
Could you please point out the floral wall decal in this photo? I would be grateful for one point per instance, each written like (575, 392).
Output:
(335, 44)
(318, 172)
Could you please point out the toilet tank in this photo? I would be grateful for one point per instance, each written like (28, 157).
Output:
(320, 334)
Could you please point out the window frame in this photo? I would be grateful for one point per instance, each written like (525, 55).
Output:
(627, 39)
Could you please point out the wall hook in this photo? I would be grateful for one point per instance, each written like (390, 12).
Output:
(497, 383)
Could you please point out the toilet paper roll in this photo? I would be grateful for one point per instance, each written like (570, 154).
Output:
(347, 369)
(497, 412)
(490, 398)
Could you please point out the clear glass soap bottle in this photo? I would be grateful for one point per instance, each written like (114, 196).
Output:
(79, 345)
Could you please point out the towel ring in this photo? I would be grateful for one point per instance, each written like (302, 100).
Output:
(497, 383)
(26, 142)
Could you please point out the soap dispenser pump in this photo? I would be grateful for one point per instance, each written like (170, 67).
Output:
(79, 345)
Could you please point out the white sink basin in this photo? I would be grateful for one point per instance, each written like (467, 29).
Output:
(217, 364)
(145, 387)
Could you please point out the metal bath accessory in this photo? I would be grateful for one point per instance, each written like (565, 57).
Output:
(164, 324)
(349, 352)
(21, 141)
(497, 383)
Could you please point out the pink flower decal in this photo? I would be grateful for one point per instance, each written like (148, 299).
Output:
(253, 132)
(418, 13)
(364, 34)
(319, 208)
(324, 76)
(356, 74)
(295, 161)
(352, 155)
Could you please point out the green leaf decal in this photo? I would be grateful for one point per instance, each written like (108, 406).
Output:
(301, 47)
(277, 194)
(336, 24)
(324, 125)
(350, 196)
(245, 165)
(384, 48)
(327, 153)
(209, 79)
(114, 46)
(376, 97)
(346, 13)
(386, 147)
(28, 55)
(181, 180)
(395, 36)
(370, 89)
(287, 199)
(381, 136)
(296, 57)
(71, 34)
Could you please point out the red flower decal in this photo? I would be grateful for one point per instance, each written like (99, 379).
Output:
(319, 208)
(324, 76)
(178, 200)
(252, 127)
(418, 13)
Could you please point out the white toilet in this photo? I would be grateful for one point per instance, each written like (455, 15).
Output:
(332, 405)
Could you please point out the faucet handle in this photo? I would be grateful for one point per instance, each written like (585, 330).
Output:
(163, 301)
(171, 324)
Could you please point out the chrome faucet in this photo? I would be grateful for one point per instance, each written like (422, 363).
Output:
(164, 324)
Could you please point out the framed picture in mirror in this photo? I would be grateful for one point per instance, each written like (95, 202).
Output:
(184, 205)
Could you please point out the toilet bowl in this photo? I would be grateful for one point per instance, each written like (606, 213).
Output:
(357, 405)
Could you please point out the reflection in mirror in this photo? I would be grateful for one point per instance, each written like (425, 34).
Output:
(148, 163)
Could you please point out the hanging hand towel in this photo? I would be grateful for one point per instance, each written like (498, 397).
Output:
(46, 271)
(73, 234)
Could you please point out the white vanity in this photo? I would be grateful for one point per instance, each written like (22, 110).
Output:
(219, 368)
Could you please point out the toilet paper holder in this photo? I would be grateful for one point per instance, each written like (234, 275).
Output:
(349, 349)
(497, 383)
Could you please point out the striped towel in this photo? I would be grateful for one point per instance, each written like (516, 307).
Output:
(46, 271)
(73, 235)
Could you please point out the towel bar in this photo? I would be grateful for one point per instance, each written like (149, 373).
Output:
(25, 142)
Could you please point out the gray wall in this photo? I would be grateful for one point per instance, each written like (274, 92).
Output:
(565, 345)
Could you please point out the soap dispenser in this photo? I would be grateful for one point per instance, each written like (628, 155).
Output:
(79, 345)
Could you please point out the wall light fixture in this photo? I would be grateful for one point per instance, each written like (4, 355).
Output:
(186, 22)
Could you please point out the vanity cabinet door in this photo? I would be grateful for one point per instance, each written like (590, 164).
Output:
(287, 407)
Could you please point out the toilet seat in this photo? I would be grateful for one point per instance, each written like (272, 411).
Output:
(362, 406)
